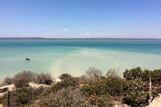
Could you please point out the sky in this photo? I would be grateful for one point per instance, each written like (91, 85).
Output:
(80, 18)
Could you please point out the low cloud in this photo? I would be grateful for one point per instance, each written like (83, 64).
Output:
(94, 34)
(64, 29)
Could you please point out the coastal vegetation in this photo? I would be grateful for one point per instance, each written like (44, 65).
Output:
(93, 89)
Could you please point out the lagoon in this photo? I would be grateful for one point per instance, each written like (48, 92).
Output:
(75, 56)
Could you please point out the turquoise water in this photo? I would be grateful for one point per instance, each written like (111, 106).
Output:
(150, 46)
(75, 56)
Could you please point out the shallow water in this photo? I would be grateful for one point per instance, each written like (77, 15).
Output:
(75, 56)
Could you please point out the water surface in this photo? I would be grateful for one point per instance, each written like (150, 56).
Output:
(75, 56)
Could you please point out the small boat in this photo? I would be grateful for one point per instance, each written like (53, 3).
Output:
(27, 59)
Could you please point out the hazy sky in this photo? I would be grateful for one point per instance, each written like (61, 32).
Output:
(80, 18)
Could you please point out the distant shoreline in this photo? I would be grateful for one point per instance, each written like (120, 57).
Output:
(44, 38)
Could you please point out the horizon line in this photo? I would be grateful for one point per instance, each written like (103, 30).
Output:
(76, 38)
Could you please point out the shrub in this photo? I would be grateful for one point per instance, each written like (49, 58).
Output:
(73, 82)
(8, 81)
(87, 90)
(114, 86)
(138, 73)
(65, 76)
(93, 75)
(44, 79)
(97, 88)
(134, 93)
(134, 73)
(23, 96)
(156, 76)
(112, 73)
(23, 78)
(69, 97)
(103, 101)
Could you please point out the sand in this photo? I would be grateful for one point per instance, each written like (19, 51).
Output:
(34, 85)
(156, 102)
(10, 87)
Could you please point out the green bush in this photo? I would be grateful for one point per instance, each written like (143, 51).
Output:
(110, 85)
(22, 79)
(103, 101)
(156, 77)
(93, 75)
(138, 73)
(132, 74)
(23, 96)
(66, 97)
(95, 90)
(134, 93)
(8, 81)
(114, 86)
(65, 76)
(87, 90)
(44, 79)
(65, 83)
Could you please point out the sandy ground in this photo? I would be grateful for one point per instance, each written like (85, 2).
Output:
(34, 85)
(156, 102)
(10, 87)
